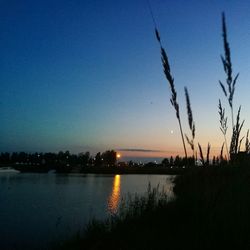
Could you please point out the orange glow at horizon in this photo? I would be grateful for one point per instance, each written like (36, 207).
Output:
(114, 197)
(215, 151)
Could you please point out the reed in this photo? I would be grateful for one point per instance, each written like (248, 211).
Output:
(170, 79)
(247, 144)
(208, 153)
(201, 154)
(221, 152)
(236, 134)
(240, 143)
(204, 163)
(190, 122)
(227, 65)
(223, 125)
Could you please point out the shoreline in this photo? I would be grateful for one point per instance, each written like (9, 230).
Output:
(157, 170)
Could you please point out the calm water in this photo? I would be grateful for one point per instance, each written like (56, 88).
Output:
(48, 207)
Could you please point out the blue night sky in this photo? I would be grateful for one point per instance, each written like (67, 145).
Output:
(87, 75)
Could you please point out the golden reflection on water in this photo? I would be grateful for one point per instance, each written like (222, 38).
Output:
(114, 197)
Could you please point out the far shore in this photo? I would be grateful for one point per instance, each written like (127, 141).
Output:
(154, 169)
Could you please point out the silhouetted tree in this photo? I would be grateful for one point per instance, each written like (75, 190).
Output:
(50, 158)
(5, 158)
(109, 157)
(171, 161)
(165, 162)
(22, 157)
(84, 158)
(98, 159)
(177, 161)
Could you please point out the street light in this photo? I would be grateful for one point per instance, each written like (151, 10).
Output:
(118, 156)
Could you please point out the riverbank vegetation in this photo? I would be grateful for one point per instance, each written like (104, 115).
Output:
(211, 210)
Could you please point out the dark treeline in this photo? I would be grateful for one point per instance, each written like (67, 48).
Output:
(106, 159)
(64, 160)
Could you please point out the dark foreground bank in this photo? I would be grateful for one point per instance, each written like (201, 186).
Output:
(211, 211)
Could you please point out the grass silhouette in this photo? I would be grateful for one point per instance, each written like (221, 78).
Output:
(170, 79)
(227, 64)
(190, 122)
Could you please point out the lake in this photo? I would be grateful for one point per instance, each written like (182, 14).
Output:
(39, 209)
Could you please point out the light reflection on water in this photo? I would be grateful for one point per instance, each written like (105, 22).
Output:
(114, 197)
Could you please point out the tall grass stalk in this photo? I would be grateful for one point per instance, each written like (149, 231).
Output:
(170, 79)
(223, 125)
(240, 143)
(201, 154)
(190, 122)
(236, 134)
(221, 152)
(227, 64)
(247, 144)
(208, 153)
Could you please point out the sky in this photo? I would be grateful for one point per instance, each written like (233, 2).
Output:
(87, 75)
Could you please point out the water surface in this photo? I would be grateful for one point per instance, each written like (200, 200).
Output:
(37, 209)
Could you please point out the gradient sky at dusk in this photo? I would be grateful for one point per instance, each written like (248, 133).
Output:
(87, 75)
